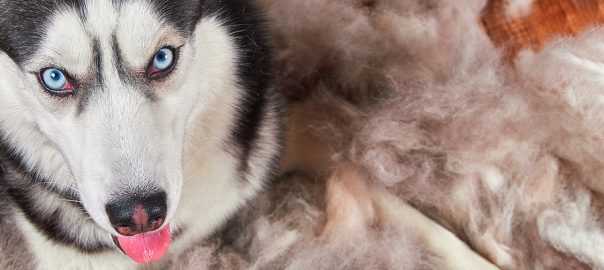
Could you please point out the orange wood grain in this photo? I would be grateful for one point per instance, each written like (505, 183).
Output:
(546, 20)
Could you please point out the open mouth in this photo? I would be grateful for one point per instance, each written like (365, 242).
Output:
(145, 247)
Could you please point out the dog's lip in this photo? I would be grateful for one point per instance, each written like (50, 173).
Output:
(117, 243)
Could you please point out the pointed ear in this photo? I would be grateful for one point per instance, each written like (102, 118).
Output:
(184, 14)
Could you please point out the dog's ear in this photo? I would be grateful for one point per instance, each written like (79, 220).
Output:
(6, 50)
(184, 14)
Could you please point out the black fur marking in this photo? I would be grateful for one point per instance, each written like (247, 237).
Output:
(50, 223)
(10, 158)
(119, 60)
(23, 22)
(246, 26)
(98, 63)
(25, 189)
(85, 90)
(128, 77)
(183, 14)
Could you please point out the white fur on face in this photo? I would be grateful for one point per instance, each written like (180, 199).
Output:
(122, 141)
(147, 28)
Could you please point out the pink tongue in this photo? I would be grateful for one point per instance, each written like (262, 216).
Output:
(146, 247)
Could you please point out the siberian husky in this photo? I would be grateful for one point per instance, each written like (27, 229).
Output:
(129, 129)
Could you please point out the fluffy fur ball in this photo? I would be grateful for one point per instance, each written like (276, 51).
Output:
(413, 146)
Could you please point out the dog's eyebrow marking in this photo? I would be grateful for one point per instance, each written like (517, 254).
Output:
(119, 60)
(120, 64)
(98, 63)
(96, 83)
(126, 76)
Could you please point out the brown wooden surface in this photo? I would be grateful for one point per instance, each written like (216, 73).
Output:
(546, 19)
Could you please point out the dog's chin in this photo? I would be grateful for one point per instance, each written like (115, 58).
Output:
(145, 247)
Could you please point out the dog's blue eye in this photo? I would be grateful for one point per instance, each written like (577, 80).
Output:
(162, 63)
(54, 80)
(163, 60)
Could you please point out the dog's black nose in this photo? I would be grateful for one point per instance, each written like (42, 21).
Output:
(137, 214)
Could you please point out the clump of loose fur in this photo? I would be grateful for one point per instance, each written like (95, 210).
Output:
(423, 137)
(498, 154)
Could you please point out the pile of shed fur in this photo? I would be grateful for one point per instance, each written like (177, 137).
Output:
(413, 146)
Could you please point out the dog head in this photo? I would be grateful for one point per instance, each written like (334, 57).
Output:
(99, 98)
